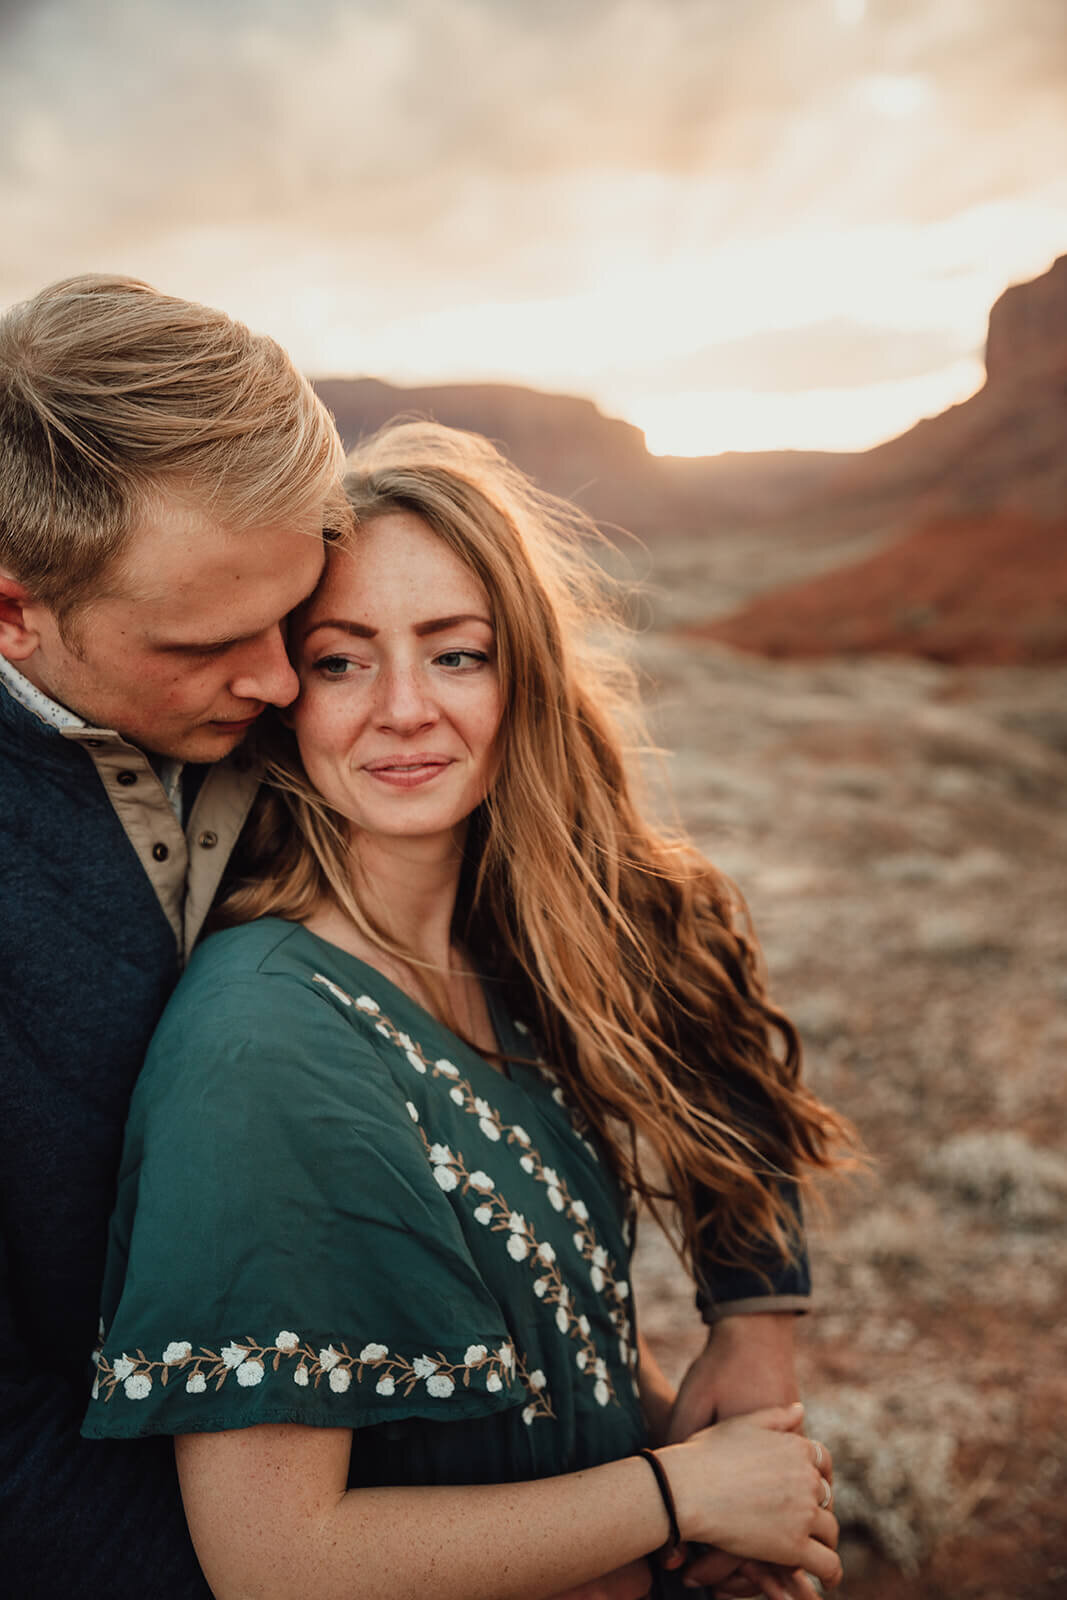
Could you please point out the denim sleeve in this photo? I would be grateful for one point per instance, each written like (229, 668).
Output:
(765, 1283)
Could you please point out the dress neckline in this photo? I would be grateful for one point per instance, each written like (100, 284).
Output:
(508, 1039)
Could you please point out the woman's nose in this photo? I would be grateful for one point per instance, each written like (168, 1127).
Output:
(403, 703)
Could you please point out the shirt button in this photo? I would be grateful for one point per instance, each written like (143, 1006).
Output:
(126, 778)
(208, 840)
(160, 852)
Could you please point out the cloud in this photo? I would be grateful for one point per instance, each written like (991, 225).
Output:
(413, 176)
(835, 354)
(377, 121)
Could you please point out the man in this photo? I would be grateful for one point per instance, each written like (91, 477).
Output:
(166, 478)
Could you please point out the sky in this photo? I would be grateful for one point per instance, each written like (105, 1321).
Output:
(738, 224)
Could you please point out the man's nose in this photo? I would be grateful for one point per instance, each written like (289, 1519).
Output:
(267, 673)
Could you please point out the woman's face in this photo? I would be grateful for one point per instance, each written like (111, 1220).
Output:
(400, 701)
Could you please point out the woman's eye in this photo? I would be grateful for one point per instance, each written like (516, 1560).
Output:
(333, 666)
(461, 658)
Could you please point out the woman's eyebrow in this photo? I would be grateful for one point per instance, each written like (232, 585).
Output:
(434, 625)
(439, 624)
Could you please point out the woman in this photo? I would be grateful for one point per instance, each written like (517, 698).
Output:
(369, 1259)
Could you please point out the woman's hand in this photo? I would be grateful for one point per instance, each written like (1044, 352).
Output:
(751, 1487)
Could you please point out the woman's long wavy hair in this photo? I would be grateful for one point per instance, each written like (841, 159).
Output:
(630, 951)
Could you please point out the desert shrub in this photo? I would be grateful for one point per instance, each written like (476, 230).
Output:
(893, 1480)
(1001, 1171)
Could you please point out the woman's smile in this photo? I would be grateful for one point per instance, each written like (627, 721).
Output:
(407, 772)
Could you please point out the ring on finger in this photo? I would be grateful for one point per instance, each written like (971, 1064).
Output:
(819, 1454)
(826, 1496)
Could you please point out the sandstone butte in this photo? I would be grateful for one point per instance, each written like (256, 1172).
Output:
(980, 575)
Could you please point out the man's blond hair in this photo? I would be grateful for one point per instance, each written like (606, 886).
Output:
(112, 395)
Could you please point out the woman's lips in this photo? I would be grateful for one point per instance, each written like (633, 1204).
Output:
(407, 772)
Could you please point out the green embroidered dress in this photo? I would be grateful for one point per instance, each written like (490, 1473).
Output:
(331, 1211)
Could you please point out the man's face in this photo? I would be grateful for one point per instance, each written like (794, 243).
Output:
(187, 648)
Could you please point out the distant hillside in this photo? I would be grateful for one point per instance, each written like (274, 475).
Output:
(982, 576)
(572, 449)
(990, 590)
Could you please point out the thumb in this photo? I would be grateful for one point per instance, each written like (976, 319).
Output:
(781, 1419)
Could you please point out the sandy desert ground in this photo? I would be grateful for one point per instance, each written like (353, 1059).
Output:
(898, 828)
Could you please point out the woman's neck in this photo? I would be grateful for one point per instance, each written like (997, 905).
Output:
(410, 892)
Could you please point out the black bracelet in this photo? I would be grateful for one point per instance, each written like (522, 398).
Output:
(675, 1537)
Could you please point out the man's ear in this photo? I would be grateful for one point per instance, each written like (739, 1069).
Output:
(19, 634)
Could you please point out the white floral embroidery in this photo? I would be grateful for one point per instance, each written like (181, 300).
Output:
(250, 1363)
(412, 1112)
(338, 994)
(365, 1003)
(452, 1176)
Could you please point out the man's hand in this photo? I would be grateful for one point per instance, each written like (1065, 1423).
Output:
(748, 1362)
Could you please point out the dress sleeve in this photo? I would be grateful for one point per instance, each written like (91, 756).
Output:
(280, 1251)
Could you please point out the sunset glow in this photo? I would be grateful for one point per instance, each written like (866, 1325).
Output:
(774, 226)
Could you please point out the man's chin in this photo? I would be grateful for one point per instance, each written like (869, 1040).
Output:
(209, 742)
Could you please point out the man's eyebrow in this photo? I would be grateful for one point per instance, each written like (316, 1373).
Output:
(434, 625)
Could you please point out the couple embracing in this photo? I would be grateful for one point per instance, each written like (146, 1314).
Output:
(351, 1005)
